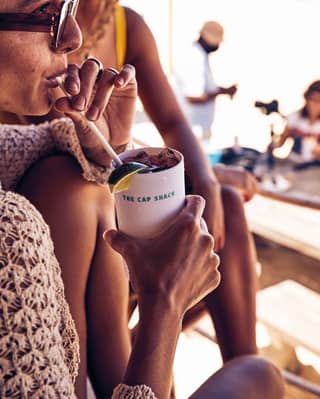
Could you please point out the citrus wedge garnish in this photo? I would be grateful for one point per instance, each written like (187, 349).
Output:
(120, 177)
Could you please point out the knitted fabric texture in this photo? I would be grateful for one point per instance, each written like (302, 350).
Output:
(39, 353)
(123, 391)
(21, 146)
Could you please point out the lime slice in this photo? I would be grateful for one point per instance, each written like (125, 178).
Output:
(119, 179)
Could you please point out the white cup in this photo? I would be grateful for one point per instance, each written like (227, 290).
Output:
(152, 199)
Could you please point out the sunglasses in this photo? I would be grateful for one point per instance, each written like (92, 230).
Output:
(54, 23)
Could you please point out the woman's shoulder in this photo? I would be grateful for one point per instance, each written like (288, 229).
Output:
(136, 24)
(132, 16)
(138, 31)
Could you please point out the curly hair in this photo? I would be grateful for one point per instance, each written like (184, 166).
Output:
(98, 26)
(314, 87)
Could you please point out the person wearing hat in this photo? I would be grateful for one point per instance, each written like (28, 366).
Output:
(197, 94)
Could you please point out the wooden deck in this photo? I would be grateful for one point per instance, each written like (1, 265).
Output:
(304, 186)
(292, 311)
(287, 224)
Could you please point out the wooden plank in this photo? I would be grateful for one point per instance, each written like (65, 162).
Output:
(294, 197)
(304, 185)
(293, 311)
(301, 383)
(286, 224)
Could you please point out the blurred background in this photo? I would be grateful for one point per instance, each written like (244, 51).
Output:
(270, 50)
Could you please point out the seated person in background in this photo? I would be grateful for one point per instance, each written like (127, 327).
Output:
(303, 126)
(38, 341)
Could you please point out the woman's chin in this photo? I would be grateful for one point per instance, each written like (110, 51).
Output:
(39, 108)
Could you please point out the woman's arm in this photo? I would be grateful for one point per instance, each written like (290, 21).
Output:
(162, 107)
(282, 138)
(162, 274)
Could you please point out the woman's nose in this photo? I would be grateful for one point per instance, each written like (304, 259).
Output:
(71, 38)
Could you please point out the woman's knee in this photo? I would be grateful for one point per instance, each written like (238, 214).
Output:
(232, 200)
(245, 377)
(264, 375)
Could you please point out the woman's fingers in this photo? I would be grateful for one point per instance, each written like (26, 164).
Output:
(91, 87)
(118, 240)
(72, 81)
(126, 74)
(88, 73)
(194, 206)
(103, 91)
(109, 79)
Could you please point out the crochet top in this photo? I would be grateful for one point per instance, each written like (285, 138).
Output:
(39, 349)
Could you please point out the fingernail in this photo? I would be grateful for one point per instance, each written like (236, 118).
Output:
(79, 103)
(74, 87)
(93, 113)
(104, 235)
(120, 81)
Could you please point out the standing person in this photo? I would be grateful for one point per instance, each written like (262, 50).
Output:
(303, 126)
(111, 33)
(198, 94)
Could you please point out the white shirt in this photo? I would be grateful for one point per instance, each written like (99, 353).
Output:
(296, 121)
(194, 78)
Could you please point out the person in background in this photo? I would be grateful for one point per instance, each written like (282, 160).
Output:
(99, 289)
(303, 126)
(198, 94)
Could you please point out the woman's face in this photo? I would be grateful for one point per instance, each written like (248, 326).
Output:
(28, 64)
(313, 104)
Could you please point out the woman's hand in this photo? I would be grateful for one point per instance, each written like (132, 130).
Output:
(176, 269)
(108, 98)
(237, 177)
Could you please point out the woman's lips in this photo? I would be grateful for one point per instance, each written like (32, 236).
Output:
(52, 81)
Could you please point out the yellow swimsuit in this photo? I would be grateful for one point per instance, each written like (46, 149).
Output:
(121, 35)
